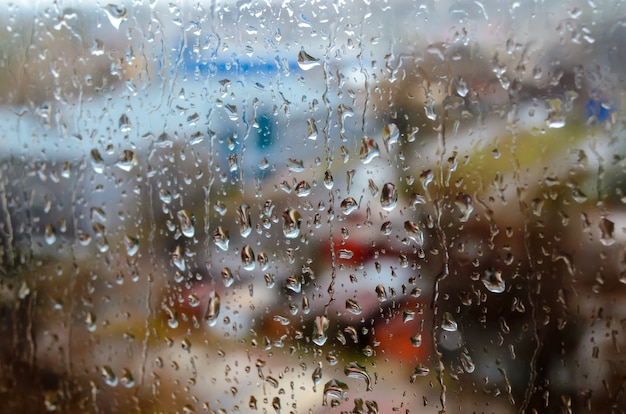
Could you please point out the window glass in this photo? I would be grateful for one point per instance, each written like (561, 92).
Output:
(353, 206)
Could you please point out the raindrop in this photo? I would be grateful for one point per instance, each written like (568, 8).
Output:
(606, 231)
(467, 362)
(354, 370)
(90, 321)
(213, 310)
(348, 205)
(263, 261)
(306, 61)
(414, 232)
(353, 306)
(295, 165)
(311, 129)
(448, 323)
(116, 14)
(320, 328)
(317, 376)
(328, 180)
(127, 379)
(492, 279)
(109, 376)
(227, 277)
(243, 216)
(391, 133)
(381, 293)
(97, 162)
(345, 254)
(464, 204)
(385, 228)
(419, 371)
(186, 221)
(294, 283)
(335, 389)
(291, 223)
(165, 196)
(127, 161)
(124, 124)
(221, 238)
(303, 189)
(389, 197)
(132, 245)
(50, 234)
(369, 150)
(247, 257)
(416, 340)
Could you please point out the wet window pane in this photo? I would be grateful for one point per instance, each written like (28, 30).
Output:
(267, 206)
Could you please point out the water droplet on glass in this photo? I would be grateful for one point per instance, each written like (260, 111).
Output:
(334, 389)
(606, 231)
(124, 124)
(328, 180)
(317, 376)
(467, 362)
(221, 238)
(227, 277)
(414, 232)
(389, 197)
(109, 376)
(295, 165)
(353, 306)
(354, 370)
(391, 134)
(127, 379)
(348, 205)
(369, 150)
(306, 61)
(381, 293)
(320, 330)
(213, 309)
(132, 245)
(416, 340)
(291, 223)
(50, 234)
(303, 189)
(116, 14)
(448, 323)
(385, 228)
(419, 371)
(186, 221)
(97, 162)
(247, 257)
(311, 129)
(90, 321)
(492, 279)
(464, 204)
(127, 161)
(243, 216)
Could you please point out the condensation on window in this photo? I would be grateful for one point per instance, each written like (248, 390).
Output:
(278, 207)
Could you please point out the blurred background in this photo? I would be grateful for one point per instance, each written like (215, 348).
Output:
(359, 206)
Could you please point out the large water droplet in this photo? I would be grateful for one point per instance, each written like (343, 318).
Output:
(414, 232)
(468, 363)
(448, 323)
(369, 150)
(127, 161)
(334, 389)
(354, 370)
(348, 205)
(391, 134)
(291, 223)
(50, 234)
(221, 238)
(247, 257)
(320, 330)
(227, 277)
(389, 197)
(353, 307)
(464, 204)
(243, 216)
(306, 61)
(186, 221)
(492, 279)
(311, 129)
(109, 376)
(213, 310)
(116, 14)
